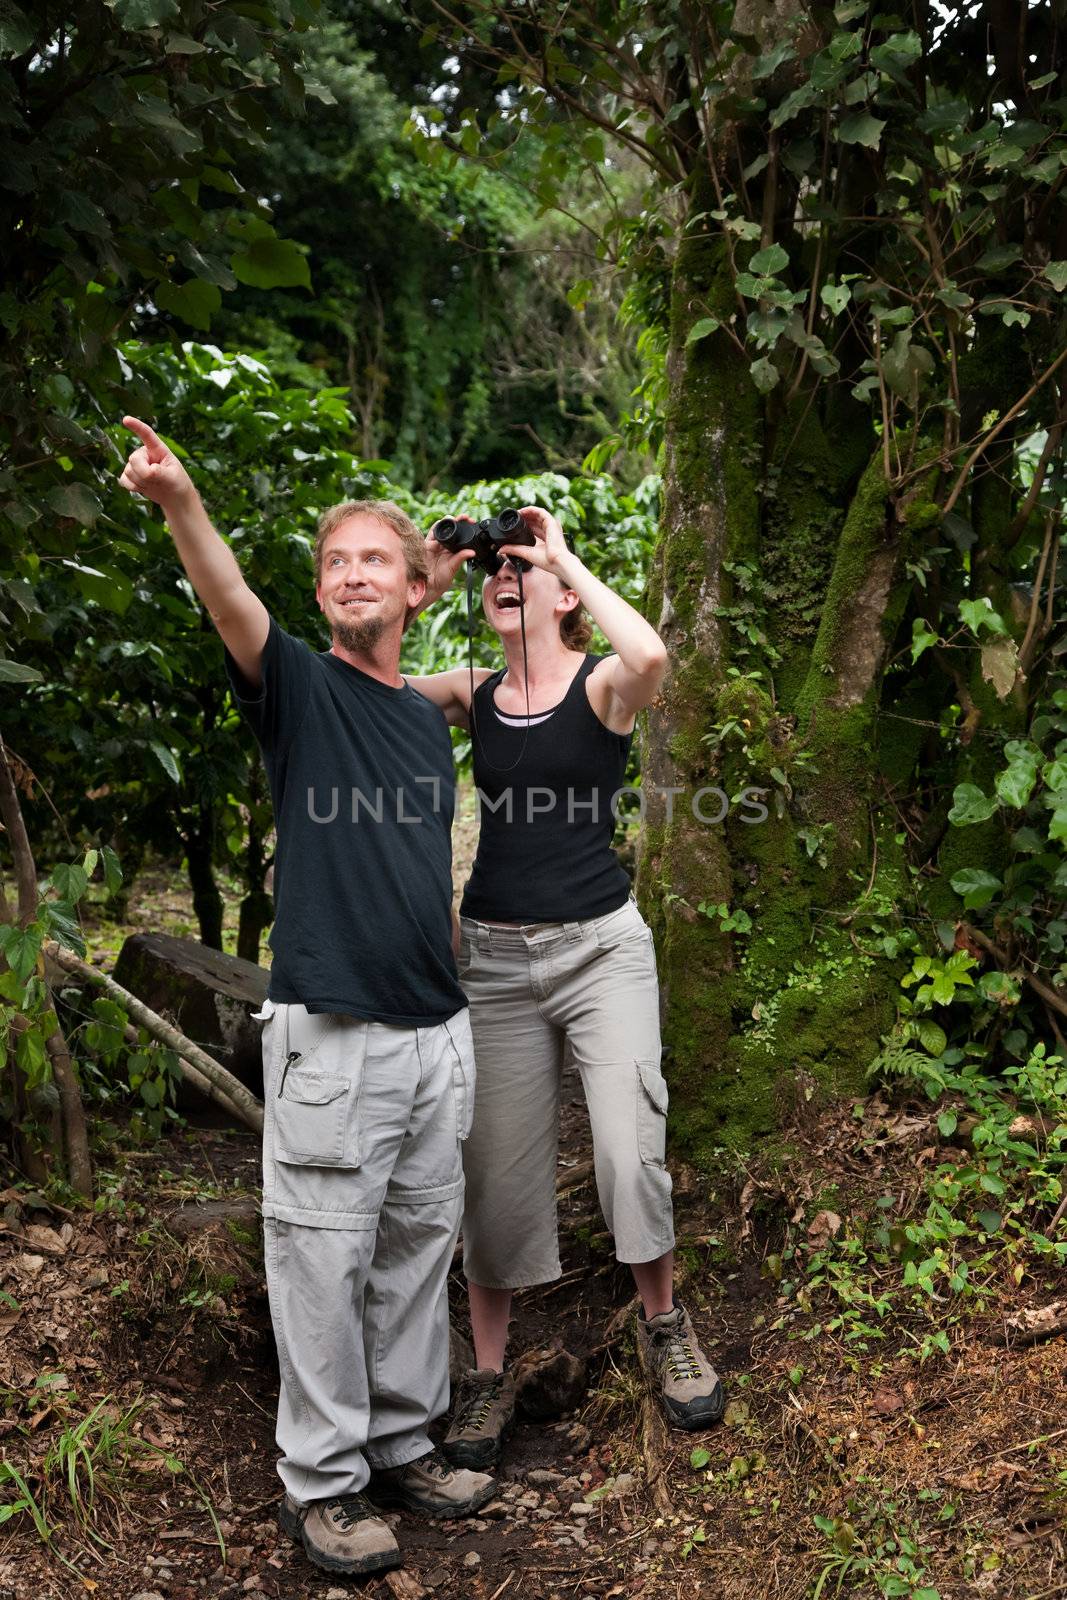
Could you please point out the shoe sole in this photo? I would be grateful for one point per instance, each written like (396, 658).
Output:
(378, 1562)
(692, 1421)
(428, 1508)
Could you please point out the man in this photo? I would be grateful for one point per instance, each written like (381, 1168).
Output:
(368, 1066)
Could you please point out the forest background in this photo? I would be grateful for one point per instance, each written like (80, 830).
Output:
(769, 303)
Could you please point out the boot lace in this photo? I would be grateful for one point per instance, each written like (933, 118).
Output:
(435, 1464)
(347, 1510)
(679, 1357)
(476, 1402)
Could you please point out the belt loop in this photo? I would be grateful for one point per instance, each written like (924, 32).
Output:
(485, 939)
(573, 930)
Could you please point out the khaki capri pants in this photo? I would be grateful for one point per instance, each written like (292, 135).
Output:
(590, 986)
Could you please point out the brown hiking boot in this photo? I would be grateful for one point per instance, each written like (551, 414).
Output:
(431, 1485)
(482, 1418)
(341, 1535)
(688, 1385)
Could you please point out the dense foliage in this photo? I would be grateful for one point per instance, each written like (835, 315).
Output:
(849, 263)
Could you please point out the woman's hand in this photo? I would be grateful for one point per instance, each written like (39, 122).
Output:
(550, 552)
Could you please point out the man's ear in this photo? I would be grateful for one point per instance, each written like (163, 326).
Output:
(416, 592)
(318, 596)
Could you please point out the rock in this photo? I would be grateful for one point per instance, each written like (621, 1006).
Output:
(542, 1475)
(548, 1382)
(495, 1510)
(472, 1560)
(581, 1509)
(460, 1358)
(209, 995)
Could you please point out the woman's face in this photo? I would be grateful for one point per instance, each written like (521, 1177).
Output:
(544, 600)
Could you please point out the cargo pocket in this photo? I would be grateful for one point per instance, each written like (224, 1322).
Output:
(651, 1114)
(315, 1121)
(459, 1032)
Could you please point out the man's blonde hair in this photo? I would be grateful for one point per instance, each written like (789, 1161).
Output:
(387, 512)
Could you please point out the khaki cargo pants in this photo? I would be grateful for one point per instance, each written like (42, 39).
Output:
(362, 1192)
(592, 987)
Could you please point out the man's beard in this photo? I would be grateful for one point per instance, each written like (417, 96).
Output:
(359, 636)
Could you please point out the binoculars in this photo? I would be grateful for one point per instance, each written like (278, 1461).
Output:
(484, 538)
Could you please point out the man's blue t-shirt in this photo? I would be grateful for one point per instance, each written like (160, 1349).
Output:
(362, 783)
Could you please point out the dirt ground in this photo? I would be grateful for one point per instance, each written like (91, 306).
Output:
(134, 1310)
(138, 1385)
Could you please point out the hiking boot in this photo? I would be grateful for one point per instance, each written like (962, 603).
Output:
(431, 1485)
(688, 1386)
(482, 1418)
(340, 1535)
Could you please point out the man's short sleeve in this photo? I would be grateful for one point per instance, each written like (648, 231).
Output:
(275, 710)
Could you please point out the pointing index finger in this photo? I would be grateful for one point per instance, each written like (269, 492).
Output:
(157, 450)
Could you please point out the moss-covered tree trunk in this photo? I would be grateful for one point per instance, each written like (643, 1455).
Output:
(776, 585)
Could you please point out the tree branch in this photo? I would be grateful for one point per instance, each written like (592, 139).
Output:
(243, 1103)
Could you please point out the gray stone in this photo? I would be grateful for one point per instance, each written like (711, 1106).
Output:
(209, 995)
(472, 1560)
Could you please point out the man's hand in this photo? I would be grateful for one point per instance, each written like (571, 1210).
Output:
(444, 564)
(550, 552)
(153, 470)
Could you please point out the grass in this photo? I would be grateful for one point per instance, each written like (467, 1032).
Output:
(75, 1476)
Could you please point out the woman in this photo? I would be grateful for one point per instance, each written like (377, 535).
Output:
(554, 952)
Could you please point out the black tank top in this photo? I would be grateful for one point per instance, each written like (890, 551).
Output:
(544, 849)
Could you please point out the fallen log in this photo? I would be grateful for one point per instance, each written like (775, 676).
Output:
(201, 1069)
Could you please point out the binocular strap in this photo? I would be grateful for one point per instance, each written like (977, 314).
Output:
(470, 667)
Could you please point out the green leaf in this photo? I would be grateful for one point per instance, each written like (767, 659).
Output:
(701, 329)
(921, 638)
(1000, 987)
(959, 530)
(932, 1037)
(1015, 785)
(769, 261)
(836, 296)
(21, 947)
(976, 886)
(991, 1183)
(861, 128)
(16, 31)
(112, 869)
(1056, 273)
(69, 881)
(166, 760)
(76, 501)
(271, 264)
(991, 1221)
(195, 301)
(980, 614)
(699, 1458)
(15, 672)
(764, 374)
(104, 586)
(946, 1124)
(970, 805)
(140, 14)
(579, 293)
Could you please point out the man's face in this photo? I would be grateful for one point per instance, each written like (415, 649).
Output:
(364, 588)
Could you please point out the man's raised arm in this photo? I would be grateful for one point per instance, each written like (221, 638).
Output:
(240, 616)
